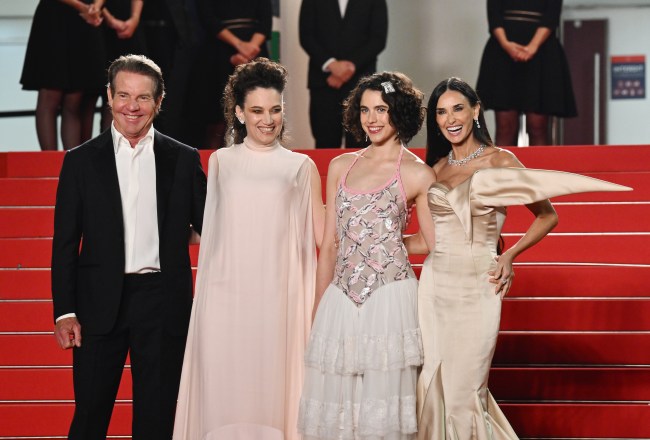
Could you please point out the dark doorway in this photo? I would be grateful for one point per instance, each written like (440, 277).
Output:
(585, 44)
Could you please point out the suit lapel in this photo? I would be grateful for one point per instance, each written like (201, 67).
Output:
(104, 163)
(166, 154)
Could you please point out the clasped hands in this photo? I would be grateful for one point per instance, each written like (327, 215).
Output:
(123, 28)
(340, 72)
(91, 14)
(246, 51)
(520, 53)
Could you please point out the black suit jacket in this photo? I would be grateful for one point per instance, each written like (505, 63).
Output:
(88, 246)
(358, 37)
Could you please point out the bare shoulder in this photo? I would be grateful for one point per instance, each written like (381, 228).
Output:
(415, 172)
(339, 164)
(413, 163)
(500, 157)
(343, 160)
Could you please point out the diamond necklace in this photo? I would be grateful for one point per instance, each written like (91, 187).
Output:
(461, 162)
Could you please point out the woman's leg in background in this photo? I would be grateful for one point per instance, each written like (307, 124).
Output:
(71, 119)
(537, 128)
(507, 129)
(88, 104)
(47, 107)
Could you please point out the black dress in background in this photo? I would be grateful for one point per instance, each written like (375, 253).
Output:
(213, 67)
(63, 51)
(541, 85)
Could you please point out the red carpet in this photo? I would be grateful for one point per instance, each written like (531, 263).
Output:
(573, 356)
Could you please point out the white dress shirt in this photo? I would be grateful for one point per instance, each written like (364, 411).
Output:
(343, 4)
(136, 172)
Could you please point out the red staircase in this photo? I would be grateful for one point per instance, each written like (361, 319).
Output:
(573, 356)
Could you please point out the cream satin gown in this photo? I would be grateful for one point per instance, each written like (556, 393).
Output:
(458, 310)
(243, 368)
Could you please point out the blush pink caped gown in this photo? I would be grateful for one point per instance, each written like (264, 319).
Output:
(243, 368)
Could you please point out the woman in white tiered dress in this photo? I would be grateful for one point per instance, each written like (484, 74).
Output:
(365, 347)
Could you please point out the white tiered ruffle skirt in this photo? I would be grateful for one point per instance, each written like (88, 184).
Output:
(362, 362)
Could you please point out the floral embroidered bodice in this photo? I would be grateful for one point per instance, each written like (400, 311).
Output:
(371, 252)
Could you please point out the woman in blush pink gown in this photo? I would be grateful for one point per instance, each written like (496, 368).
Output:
(243, 366)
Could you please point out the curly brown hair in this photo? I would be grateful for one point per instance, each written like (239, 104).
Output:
(404, 101)
(260, 72)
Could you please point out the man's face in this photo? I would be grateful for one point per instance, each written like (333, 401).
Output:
(133, 106)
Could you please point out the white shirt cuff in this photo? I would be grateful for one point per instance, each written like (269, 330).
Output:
(327, 63)
(67, 315)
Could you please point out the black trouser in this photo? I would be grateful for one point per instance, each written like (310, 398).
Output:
(326, 116)
(156, 362)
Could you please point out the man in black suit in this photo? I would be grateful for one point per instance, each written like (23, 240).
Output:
(121, 274)
(343, 39)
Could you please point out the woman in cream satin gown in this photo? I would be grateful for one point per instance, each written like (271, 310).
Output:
(243, 367)
(463, 281)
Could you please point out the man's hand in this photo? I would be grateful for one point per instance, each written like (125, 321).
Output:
(342, 69)
(334, 81)
(68, 333)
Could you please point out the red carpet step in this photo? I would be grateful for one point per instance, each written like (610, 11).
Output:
(537, 384)
(585, 314)
(572, 348)
(513, 349)
(38, 222)
(37, 252)
(531, 281)
(47, 384)
(28, 191)
(528, 420)
(579, 420)
(53, 419)
(532, 384)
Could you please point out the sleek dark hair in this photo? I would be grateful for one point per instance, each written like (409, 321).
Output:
(262, 73)
(137, 64)
(404, 104)
(437, 144)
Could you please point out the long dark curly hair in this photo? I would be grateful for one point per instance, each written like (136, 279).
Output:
(260, 72)
(437, 144)
(405, 108)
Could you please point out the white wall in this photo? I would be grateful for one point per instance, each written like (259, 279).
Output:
(16, 134)
(629, 34)
(429, 40)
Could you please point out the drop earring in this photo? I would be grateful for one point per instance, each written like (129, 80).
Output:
(478, 124)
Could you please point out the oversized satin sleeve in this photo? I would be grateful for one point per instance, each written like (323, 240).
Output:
(489, 188)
